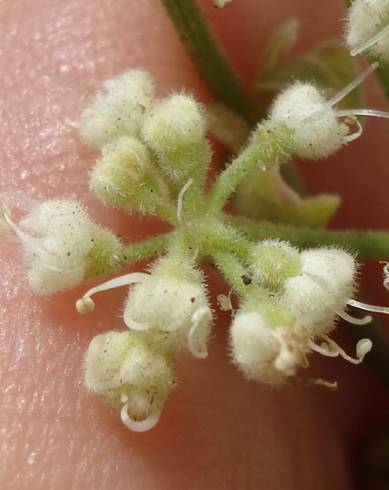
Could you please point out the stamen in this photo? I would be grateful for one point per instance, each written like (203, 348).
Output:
(31, 244)
(363, 112)
(224, 302)
(353, 84)
(354, 136)
(331, 385)
(141, 425)
(86, 303)
(362, 348)
(322, 349)
(201, 315)
(385, 271)
(370, 42)
(351, 319)
(21, 196)
(134, 325)
(180, 201)
(367, 307)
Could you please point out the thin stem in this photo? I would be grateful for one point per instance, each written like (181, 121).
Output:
(225, 239)
(234, 272)
(268, 147)
(212, 63)
(151, 247)
(368, 244)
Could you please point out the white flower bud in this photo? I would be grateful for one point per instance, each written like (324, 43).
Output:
(131, 374)
(175, 129)
(367, 27)
(118, 111)
(61, 245)
(316, 130)
(322, 290)
(273, 261)
(177, 307)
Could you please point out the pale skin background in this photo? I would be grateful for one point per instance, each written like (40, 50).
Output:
(217, 431)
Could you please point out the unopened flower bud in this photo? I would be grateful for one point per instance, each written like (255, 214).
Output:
(272, 262)
(122, 178)
(119, 111)
(175, 130)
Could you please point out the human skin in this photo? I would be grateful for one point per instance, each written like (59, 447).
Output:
(217, 431)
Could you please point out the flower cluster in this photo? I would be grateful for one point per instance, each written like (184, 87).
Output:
(154, 157)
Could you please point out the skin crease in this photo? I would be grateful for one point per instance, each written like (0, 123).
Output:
(217, 431)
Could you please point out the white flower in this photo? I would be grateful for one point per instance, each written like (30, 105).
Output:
(169, 307)
(316, 124)
(174, 306)
(57, 237)
(317, 132)
(132, 374)
(265, 354)
(367, 28)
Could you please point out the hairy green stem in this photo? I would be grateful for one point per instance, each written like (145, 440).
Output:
(151, 247)
(234, 272)
(269, 146)
(368, 244)
(212, 64)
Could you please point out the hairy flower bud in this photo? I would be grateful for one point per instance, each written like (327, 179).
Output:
(317, 131)
(175, 130)
(273, 261)
(123, 178)
(119, 110)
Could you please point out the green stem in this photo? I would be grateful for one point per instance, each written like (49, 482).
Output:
(151, 247)
(269, 146)
(234, 273)
(212, 64)
(252, 296)
(368, 244)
